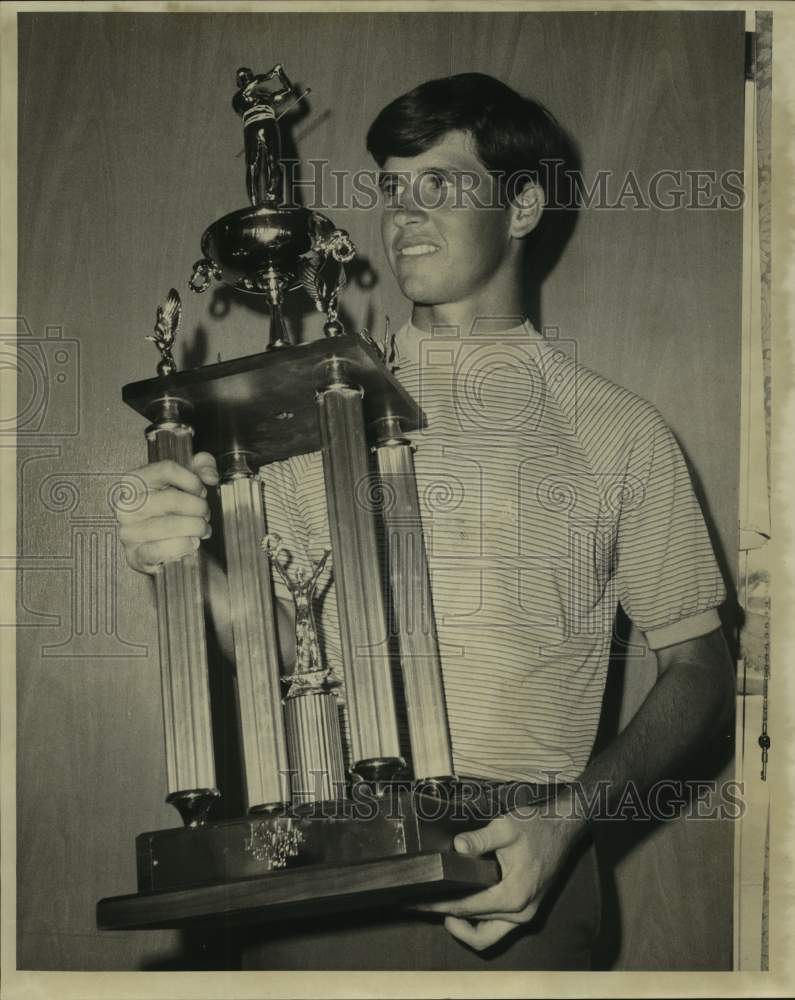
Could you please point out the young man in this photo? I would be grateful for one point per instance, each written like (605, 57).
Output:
(548, 496)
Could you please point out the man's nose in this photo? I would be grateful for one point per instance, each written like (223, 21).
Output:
(408, 209)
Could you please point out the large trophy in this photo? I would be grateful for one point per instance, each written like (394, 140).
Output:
(327, 826)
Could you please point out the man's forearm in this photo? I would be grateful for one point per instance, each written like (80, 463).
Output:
(690, 703)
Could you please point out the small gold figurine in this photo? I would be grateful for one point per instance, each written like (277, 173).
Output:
(166, 326)
(309, 674)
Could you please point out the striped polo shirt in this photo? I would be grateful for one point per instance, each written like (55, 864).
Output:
(548, 497)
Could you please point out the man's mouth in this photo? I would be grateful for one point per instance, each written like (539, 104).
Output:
(417, 250)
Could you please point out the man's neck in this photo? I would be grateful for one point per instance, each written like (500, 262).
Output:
(466, 319)
(496, 307)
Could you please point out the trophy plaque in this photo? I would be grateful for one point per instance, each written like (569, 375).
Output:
(327, 827)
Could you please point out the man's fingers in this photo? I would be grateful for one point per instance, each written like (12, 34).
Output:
(159, 475)
(159, 529)
(170, 501)
(495, 898)
(521, 917)
(499, 833)
(480, 935)
(146, 558)
(162, 511)
(205, 467)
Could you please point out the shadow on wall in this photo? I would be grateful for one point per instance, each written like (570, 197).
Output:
(731, 612)
(617, 840)
(215, 949)
(545, 245)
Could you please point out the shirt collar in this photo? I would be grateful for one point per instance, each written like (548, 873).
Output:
(526, 328)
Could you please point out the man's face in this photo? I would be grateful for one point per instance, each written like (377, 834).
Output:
(441, 245)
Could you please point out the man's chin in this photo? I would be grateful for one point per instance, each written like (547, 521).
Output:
(417, 291)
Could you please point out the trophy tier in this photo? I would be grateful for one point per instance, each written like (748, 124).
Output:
(264, 404)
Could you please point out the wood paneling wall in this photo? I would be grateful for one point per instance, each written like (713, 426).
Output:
(128, 148)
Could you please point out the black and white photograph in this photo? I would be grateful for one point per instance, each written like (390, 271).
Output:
(390, 499)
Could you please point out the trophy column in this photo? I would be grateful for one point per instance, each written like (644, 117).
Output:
(368, 681)
(411, 597)
(254, 629)
(190, 762)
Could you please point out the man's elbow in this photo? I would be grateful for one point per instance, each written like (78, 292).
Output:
(718, 661)
(707, 664)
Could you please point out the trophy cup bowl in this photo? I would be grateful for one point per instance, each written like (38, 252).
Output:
(249, 241)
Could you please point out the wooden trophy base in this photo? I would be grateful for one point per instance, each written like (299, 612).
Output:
(264, 404)
(365, 852)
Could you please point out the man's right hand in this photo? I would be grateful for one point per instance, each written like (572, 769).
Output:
(172, 516)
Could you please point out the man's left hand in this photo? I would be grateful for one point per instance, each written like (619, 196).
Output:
(530, 850)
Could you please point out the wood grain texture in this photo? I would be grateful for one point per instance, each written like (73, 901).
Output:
(128, 149)
(304, 891)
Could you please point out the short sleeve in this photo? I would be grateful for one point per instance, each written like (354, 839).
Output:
(668, 579)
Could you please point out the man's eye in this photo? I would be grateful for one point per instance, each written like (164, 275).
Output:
(433, 189)
(435, 182)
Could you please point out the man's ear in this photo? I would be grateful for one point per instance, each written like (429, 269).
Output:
(526, 210)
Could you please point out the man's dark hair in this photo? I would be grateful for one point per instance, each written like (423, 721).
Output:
(515, 138)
